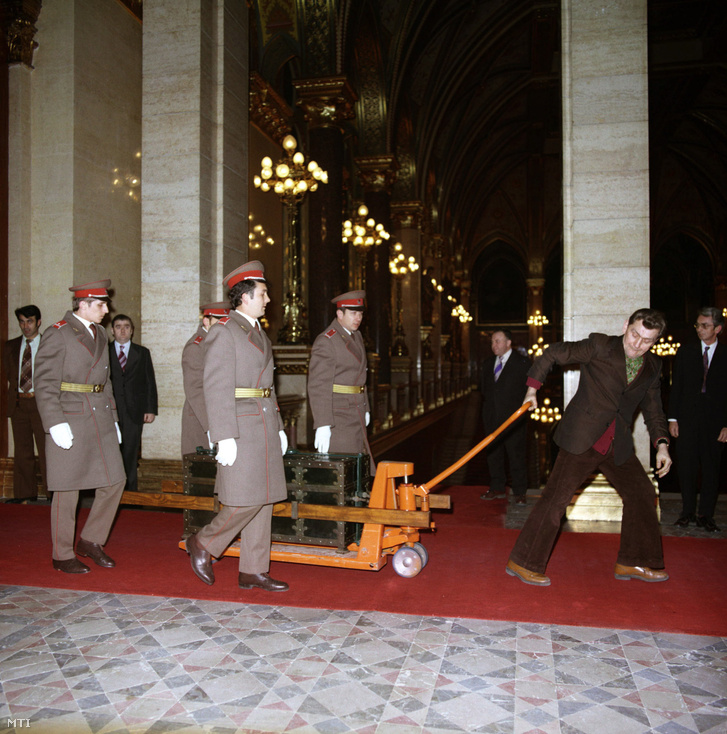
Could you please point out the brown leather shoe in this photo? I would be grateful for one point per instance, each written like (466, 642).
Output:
(527, 577)
(95, 552)
(200, 559)
(639, 572)
(261, 581)
(72, 565)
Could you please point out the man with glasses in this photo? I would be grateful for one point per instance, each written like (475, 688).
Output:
(619, 375)
(698, 419)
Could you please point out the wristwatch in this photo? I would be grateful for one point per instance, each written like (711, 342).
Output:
(664, 441)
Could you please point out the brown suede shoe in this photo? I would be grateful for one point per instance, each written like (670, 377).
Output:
(95, 552)
(260, 581)
(527, 577)
(72, 565)
(201, 560)
(639, 572)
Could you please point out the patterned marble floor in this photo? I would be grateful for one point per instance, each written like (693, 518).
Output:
(76, 662)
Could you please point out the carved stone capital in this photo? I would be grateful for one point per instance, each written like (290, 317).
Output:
(268, 110)
(20, 19)
(407, 214)
(326, 101)
(377, 172)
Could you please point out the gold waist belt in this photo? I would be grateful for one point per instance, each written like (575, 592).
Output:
(80, 387)
(349, 389)
(253, 392)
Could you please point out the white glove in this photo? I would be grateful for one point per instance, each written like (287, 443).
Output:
(323, 439)
(209, 440)
(283, 442)
(226, 451)
(118, 432)
(367, 417)
(62, 435)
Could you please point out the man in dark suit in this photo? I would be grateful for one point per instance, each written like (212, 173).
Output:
(135, 390)
(503, 391)
(19, 359)
(698, 418)
(618, 376)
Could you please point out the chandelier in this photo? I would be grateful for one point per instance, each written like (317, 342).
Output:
(537, 319)
(362, 231)
(399, 266)
(666, 347)
(291, 179)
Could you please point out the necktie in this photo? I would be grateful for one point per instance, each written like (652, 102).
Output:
(94, 333)
(498, 368)
(122, 358)
(257, 327)
(26, 369)
(705, 361)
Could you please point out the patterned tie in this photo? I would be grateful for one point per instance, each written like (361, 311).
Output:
(122, 358)
(705, 361)
(26, 369)
(498, 369)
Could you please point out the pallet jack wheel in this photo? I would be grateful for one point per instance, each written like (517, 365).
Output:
(407, 562)
(422, 551)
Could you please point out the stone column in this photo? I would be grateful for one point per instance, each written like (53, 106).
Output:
(21, 44)
(605, 170)
(194, 209)
(377, 174)
(406, 217)
(326, 103)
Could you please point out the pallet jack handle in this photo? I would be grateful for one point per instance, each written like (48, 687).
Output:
(425, 488)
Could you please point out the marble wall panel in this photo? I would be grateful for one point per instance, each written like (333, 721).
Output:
(604, 243)
(610, 291)
(611, 195)
(596, 55)
(617, 99)
(614, 15)
(610, 147)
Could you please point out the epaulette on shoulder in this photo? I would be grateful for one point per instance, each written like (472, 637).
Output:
(330, 333)
(223, 320)
(199, 339)
(60, 323)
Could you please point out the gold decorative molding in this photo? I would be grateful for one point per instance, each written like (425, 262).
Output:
(407, 214)
(326, 102)
(268, 110)
(21, 17)
(377, 172)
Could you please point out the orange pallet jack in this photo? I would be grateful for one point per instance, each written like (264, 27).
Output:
(391, 522)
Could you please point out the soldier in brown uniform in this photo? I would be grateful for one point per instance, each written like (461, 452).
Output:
(245, 423)
(337, 382)
(76, 405)
(194, 413)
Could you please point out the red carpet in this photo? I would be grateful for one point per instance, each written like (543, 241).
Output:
(465, 575)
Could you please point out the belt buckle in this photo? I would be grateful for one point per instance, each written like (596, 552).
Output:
(97, 388)
(266, 392)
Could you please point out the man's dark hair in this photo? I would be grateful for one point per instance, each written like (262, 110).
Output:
(244, 286)
(76, 302)
(121, 317)
(650, 318)
(506, 332)
(28, 311)
(711, 312)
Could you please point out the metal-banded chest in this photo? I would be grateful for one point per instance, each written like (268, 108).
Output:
(337, 479)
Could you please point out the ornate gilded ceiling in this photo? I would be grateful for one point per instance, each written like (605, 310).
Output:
(465, 94)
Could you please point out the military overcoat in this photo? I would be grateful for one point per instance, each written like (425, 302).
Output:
(339, 358)
(68, 353)
(194, 412)
(237, 355)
